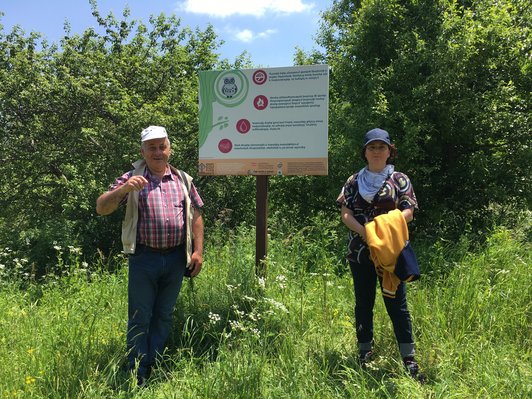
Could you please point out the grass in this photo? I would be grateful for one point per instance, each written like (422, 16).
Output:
(288, 335)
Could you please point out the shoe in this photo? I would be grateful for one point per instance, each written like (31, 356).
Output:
(412, 368)
(365, 356)
(143, 374)
(141, 381)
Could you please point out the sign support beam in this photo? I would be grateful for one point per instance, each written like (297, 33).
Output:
(261, 223)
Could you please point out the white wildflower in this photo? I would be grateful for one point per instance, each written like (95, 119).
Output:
(277, 305)
(231, 288)
(74, 250)
(262, 282)
(281, 280)
(254, 316)
(236, 325)
(214, 318)
(255, 332)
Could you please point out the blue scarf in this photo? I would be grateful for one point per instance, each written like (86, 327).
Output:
(369, 183)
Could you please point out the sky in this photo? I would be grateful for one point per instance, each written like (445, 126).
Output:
(269, 30)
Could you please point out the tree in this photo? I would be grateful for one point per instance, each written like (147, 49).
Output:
(71, 116)
(451, 82)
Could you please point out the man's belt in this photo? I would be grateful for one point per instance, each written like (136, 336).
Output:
(162, 251)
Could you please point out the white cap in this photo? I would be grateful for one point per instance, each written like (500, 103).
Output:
(153, 132)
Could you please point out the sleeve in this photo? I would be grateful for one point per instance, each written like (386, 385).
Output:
(405, 192)
(120, 182)
(347, 195)
(195, 198)
(340, 199)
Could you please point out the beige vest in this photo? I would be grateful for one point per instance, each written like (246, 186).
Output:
(129, 224)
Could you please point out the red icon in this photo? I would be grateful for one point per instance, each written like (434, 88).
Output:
(260, 102)
(243, 126)
(225, 146)
(260, 77)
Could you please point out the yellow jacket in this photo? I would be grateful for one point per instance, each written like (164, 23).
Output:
(386, 236)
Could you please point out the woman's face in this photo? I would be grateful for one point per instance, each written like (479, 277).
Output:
(377, 153)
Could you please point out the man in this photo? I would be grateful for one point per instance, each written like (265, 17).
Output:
(162, 216)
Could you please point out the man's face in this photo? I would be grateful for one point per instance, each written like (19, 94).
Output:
(156, 153)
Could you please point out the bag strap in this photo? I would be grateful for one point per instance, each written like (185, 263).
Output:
(185, 180)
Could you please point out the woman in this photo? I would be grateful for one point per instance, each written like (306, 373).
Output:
(375, 190)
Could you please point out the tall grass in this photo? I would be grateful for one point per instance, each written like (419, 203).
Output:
(287, 335)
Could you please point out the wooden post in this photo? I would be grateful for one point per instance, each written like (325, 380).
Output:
(261, 223)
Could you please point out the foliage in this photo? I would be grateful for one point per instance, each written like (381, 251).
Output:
(71, 114)
(287, 335)
(452, 82)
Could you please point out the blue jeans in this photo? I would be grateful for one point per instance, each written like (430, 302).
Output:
(153, 287)
(365, 282)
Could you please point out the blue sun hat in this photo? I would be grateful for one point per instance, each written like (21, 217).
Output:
(377, 134)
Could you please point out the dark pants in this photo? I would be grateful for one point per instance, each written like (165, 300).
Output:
(153, 286)
(365, 282)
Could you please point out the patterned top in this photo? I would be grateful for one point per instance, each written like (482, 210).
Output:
(396, 193)
(161, 221)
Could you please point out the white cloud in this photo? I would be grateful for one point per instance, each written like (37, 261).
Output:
(257, 8)
(267, 33)
(247, 36)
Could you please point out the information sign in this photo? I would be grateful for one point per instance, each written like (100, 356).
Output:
(268, 121)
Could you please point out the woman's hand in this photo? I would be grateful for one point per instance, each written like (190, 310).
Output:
(352, 224)
(408, 214)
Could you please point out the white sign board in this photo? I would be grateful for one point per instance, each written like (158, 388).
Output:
(269, 121)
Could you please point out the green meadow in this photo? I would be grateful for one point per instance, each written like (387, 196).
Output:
(288, 334)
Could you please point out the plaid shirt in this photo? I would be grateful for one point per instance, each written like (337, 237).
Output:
(161, 209)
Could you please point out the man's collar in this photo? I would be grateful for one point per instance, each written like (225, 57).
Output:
(168, 171)
(140, 162)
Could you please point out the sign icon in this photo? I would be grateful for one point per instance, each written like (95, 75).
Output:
(230, 88)
(225, 145)
(260, 77)
(260, 102)
(243, 126)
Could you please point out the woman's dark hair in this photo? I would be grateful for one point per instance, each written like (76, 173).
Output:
(393, 154)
